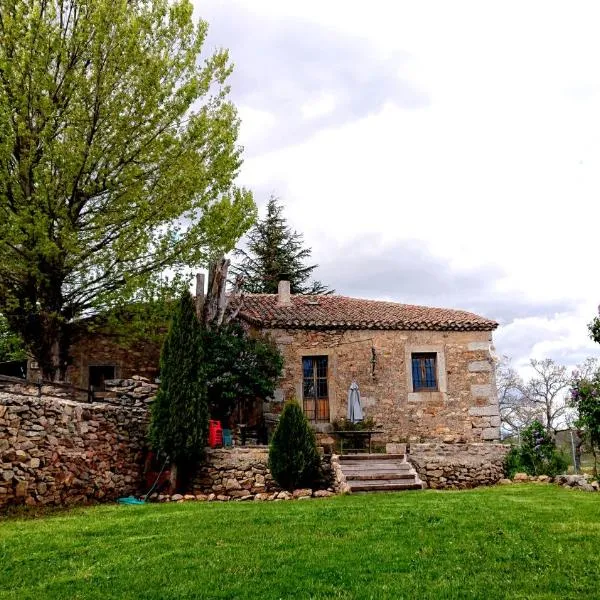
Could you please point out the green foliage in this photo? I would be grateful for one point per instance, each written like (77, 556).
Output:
(594, 329)
(145, 319)
(537, 454)
(275, 253)
(239, 367)
(11, 346)
(118, 155)
(346, 425)
(293, 457)
(585, 398)
(179, 415)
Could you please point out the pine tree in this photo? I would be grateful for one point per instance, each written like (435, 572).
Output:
(293, 457)
(276, 252)
(179, 423)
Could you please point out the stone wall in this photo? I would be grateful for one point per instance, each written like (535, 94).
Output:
(464, 409)
(243, 473)
(59, 451)
(458, 465)
(55, 450)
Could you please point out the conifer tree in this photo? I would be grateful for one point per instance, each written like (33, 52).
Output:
(293, 456)
(276, 252)
(179, 423)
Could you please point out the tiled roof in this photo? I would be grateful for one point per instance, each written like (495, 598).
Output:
(340, 312)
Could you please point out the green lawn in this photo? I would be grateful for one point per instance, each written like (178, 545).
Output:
(521, 541)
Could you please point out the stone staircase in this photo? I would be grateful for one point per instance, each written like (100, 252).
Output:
(379, 472)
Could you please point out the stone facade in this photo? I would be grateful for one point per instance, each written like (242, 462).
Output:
(464, 409)
(458, 465)
(55, 450)
(97, 349)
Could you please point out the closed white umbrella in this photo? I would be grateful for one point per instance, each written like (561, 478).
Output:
(355, 413)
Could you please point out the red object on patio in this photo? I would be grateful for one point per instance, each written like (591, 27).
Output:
(215, 434)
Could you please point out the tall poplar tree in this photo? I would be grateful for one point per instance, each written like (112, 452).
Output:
(275, 252)
(117, 159)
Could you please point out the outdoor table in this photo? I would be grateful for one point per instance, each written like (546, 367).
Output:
(364, 433)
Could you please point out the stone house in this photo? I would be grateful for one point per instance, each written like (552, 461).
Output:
(425, 374)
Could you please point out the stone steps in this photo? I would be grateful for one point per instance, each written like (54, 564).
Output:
(379, 472)
(370, 457)
(384, 485)
(379, 475)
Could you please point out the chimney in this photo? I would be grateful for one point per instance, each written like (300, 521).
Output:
(199, 294)
(284, 297)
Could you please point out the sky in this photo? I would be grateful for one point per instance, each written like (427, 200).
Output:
(436, 153)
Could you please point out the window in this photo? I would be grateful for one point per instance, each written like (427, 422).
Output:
(424, 372)
(315, 393)
(99, 374)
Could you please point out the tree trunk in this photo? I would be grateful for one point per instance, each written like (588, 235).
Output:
(54, 351)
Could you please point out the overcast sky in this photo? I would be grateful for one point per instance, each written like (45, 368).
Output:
(438, 153)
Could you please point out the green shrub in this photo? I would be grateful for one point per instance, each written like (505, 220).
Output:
(293, 457)
(513, 463)
(537, 454)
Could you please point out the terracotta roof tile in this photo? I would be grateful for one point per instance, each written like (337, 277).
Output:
(341, 312)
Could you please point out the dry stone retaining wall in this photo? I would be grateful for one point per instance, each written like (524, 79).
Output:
(458, 465)
(243, 473)
(55, 450)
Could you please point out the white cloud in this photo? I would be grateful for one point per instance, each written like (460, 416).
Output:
(319, 106)
(500, 166)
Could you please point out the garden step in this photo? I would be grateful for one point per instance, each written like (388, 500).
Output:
(390, 466)
(378, 485)
(378, 475)
(379, 472)
(362, 457)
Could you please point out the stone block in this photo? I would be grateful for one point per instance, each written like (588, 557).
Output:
(395, 448)
(323, 494)
(477, 366)
(481, 390)
(490, 433)
(21, 489)
(476, 346)
(484, 411)
(232, 484)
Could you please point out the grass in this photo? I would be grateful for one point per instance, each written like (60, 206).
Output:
(525, 541)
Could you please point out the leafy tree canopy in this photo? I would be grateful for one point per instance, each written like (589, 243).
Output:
(585, 398)
(11, 347)
(117, 159)
(240, 368)
(275, 252)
